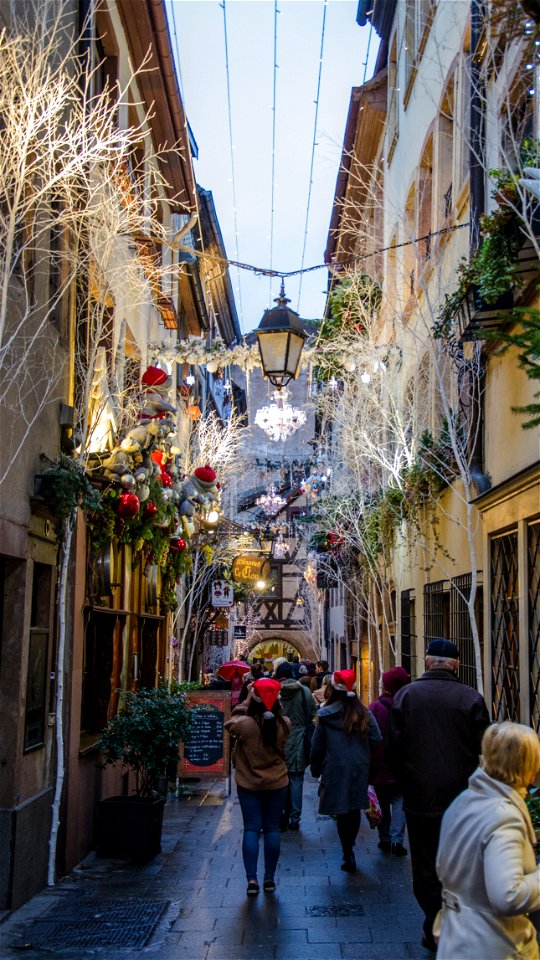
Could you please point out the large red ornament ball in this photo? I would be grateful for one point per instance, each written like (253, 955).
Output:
(166, 480)
(150, 509)
(128, 505)
(177, 544)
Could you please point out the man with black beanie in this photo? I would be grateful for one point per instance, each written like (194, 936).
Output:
(437, 724)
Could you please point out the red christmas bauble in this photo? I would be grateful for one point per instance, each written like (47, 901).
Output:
(150, 509)
(166, 480)
(128, 505)
(177, 544)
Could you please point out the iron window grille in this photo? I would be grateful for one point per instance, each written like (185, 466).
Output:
(505, 626)
(533, 581)
(446, 614)
(460, 625)
(408, 632)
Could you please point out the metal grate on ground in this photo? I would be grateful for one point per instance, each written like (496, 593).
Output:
(97, 923)
(335, 910)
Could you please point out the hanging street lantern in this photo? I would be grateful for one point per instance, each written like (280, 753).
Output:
(281, 339)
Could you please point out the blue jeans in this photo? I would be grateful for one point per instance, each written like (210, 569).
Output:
(294, 799)
(392, 825)
(261, 810)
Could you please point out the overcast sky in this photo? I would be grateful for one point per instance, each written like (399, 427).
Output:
(200, 35)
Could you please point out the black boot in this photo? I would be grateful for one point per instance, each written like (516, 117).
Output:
(349, 862)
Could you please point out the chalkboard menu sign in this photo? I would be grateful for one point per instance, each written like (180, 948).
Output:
(206, 753)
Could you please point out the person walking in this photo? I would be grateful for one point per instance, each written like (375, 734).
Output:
(437, 724)
(299, 706)
(260, 734)
(392, 826)
(486, 860)
(323, 691)
(321, 669)
(340, 756)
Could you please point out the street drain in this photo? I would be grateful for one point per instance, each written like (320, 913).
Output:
(336, 910)
(97, 923)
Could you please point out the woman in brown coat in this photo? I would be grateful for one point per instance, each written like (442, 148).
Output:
(261, 778)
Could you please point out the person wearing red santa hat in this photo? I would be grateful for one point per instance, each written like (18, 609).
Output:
(340, 756)
(261, 777)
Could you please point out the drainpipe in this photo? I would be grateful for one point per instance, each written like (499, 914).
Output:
(479, 477)
(187, 227)
(477, 132)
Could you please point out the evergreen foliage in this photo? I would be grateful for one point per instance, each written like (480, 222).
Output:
(146, 733)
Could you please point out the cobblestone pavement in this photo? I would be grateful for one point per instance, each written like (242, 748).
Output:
(190, 902)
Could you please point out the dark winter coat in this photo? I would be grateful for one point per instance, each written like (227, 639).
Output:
(436, 731)
(342, 761)
(381, 774)
(297, 703)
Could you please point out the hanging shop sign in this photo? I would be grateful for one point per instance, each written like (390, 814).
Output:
(239, 631)
(250, 569)
(222, 593)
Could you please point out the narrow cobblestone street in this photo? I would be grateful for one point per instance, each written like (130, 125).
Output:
(196, 891)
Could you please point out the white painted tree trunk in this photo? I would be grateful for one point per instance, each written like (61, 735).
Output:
(63, 580)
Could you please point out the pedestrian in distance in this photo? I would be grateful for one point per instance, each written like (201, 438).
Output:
(340, 756)
(321, 669)
(321, 694)
(437, 725)
(260, 734)
(486, 860)
(299, 706)
(392, 826)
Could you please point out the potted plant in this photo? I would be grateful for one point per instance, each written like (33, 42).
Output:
(144, 736)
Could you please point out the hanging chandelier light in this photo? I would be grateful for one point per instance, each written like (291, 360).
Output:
(278, 419)
(271, 502)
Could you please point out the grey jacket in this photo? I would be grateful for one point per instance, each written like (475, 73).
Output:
(342, 761)
(297, 703)
(490, 878)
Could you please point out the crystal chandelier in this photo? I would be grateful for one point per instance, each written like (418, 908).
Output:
(279, 420)
(271, 502)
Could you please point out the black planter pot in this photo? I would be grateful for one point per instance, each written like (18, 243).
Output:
(129, 827)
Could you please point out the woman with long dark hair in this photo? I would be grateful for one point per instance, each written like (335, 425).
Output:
(340, 756)
(261, 778)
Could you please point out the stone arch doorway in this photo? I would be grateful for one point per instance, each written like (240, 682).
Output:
(283, 644)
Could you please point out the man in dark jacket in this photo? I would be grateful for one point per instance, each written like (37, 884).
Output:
(436, 732)
(298, 704)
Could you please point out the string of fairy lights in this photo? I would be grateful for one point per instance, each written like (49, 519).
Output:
(313, 148)
(336, 268)
(273, 173)
(231, 148)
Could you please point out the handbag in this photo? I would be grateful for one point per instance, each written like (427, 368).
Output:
(373, 812)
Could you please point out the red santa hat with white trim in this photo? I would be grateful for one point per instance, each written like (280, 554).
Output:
(266, 691)
(345, 680)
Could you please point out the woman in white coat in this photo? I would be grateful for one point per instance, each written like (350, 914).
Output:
(486, 861)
